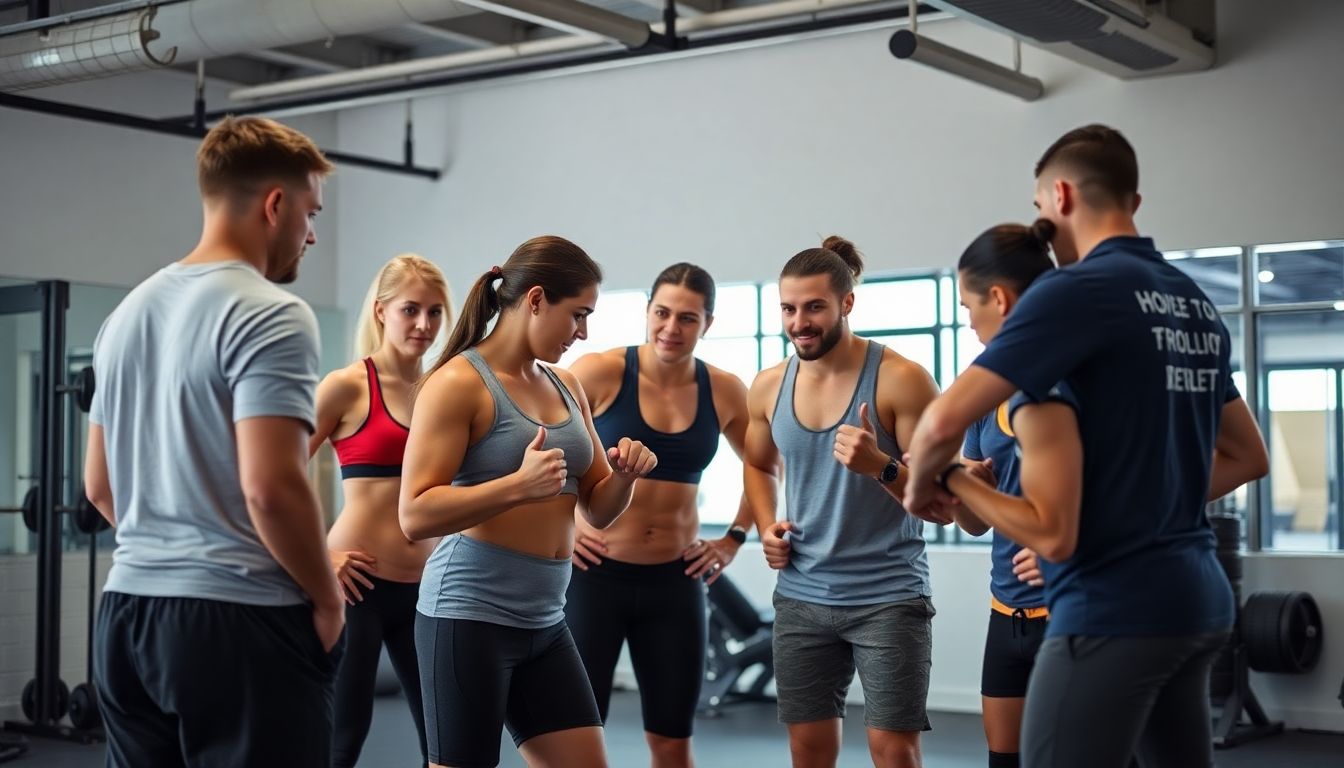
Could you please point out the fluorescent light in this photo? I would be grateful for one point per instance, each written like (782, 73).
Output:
(1208, 253)
(1311, 245)
(1203, 253)
(907, 45)
(1339, 306)
(1266, 276)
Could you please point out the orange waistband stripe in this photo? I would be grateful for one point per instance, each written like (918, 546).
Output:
(998, 606)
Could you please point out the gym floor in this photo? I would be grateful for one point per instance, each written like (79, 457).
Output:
(746, 734)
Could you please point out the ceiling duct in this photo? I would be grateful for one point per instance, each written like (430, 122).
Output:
(65, 50)
(1124, 38)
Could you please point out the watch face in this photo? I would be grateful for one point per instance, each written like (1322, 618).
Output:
(890, 472)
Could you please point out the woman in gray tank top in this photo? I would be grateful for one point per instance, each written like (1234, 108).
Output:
(502, 450)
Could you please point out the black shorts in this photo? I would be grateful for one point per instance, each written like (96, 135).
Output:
(661, 613)
(184, 681)
(477, 677)
(1010, 654)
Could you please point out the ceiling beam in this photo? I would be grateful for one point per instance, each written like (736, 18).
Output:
(687, 7)
(448, 35)
(287, 59)
(573, 17)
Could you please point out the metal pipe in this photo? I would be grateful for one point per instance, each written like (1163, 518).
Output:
(287, 59)
(907, 45)
(460, 61)
(185, 130)
(51, 439)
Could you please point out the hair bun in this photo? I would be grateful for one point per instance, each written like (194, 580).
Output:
(847, 252)
(1043, 230)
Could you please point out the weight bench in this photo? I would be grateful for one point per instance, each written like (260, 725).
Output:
(740, 639)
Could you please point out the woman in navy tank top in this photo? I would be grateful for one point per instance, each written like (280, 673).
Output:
(993, 273)
(642, 580)
(362, 409)
(501, 454)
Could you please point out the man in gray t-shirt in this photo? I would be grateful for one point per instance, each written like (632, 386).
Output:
(220, 621)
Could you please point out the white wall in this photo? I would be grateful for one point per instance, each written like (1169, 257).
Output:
(740, 159)
(101, 204)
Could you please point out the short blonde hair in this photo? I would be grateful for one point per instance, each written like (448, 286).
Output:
(389, 280)
(240, 153)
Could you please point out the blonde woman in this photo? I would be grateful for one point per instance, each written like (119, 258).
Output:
(363, 409)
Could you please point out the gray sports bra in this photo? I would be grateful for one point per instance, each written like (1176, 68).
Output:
(500, 452)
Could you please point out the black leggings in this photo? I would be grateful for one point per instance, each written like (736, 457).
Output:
(386, 616)
(661, 612)
(480, 676)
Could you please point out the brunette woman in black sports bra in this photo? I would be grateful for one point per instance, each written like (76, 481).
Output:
(642, 580)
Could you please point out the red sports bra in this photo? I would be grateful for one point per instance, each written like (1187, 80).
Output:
(376, 448)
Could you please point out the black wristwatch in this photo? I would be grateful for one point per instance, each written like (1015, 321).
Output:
(946, 473)
(738, 533)
(890, 472)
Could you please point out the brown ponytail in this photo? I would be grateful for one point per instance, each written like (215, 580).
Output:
(559, 267)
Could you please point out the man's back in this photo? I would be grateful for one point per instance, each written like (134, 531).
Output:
(190, 351)
(1148, 356)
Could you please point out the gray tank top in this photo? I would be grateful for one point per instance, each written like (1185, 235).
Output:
(856, 545)
(500, 452)
(469, 579)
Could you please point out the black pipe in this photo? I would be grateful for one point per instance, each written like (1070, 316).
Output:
(14, 101)
(404, 86)
(408, 146)
(38, 9)
(48, 498)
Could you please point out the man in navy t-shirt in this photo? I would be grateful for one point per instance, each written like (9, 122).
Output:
(1138, 603)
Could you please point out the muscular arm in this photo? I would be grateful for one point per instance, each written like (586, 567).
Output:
(1045, 517)
(596, 381)
(737, 417)
(604, 495)
(97, 484)
(1239, 454)
(430, 505)
(940, 429)
(909, 389)
(272, 469)
(760, 455)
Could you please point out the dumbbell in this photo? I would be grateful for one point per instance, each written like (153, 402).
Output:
(85, 516)
(81, 388)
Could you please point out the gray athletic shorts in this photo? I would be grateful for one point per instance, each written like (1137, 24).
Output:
(818, 647)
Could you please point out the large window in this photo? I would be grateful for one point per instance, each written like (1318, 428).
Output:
(1289, 336)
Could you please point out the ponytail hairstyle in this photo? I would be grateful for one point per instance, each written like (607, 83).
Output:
(559, 267)
(1010, 255)
(837, 257)
(692, 277)
(385, 286)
